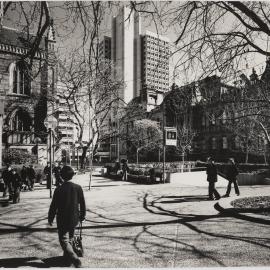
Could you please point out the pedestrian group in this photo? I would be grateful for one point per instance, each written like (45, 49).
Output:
(230, 175)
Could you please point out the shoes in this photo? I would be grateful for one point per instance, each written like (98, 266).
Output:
(225, 196)
(238, 194)
(77, 263)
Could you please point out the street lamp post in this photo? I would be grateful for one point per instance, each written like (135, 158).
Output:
(50, 123)
(77, 145)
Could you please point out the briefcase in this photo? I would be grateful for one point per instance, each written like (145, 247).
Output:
(77, 241)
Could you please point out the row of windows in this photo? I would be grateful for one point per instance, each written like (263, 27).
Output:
(160, 50)
(156, 82)
(157, 65)
(156, 71)
(158, 55)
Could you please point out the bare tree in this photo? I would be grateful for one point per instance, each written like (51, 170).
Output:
(144, 134)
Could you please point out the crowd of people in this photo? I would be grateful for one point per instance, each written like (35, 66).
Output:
(14, 180)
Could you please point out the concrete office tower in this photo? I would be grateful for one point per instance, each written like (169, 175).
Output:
(125, 48)
(155, 73)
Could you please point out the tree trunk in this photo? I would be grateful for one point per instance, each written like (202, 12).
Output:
(247, 155)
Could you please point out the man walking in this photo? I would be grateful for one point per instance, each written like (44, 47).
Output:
(211, 171)
(68, 205)
(16, 184)
(232, 172)
(6, 175)
(57, 172)
(47, 172)
(31, 176)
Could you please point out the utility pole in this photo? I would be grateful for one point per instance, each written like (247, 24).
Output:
(164, 139)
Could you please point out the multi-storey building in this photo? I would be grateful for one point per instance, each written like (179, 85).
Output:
(125, 52)
(155, 69)
(66, 134)
(105, 48)
(202, 107)
(24, 91)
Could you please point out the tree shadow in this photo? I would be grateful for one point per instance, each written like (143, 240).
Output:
(22, 262)
(181, 199)
(35, 262)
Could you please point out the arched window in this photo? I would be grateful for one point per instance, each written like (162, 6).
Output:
(214, 143)
(20, 128)
(19, 81)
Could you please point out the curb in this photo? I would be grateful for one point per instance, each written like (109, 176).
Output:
(225, 207)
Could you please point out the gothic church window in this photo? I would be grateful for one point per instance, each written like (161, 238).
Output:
(19, 81)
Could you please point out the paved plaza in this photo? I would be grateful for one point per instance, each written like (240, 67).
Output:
(130, 225)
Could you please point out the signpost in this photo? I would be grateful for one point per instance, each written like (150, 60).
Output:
(50, 123)
(171, 136)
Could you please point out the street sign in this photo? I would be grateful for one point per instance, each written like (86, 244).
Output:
(170, 136)
(50, 122)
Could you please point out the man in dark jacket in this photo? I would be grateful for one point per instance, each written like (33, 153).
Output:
(16, 184)
(6, 175)
(31, 176)
(57, 172)
(232, 172)
(47, 172)
(211, 171)
(24, 178)
(68, 205)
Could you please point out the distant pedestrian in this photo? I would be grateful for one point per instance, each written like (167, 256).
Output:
(6, 175)
(211, 171)
(68, 205)
(231, 175)
(16, 184)
(47, 172)
(125, 169)
(57, 171)
(24, 178)
(31, 176)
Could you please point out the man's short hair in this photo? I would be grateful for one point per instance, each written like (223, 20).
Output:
(67, 173)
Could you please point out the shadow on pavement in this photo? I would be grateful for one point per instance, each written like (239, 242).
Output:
(22, 262)
(180, 199)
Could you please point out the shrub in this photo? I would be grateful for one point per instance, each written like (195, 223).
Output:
(17, 156)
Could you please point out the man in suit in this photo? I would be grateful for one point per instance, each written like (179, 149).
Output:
(68, 205)
(232, 172)
(211, 171)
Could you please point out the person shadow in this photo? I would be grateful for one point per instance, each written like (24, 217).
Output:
(33, 262)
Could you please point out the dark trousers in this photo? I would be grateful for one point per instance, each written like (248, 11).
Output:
(229, 187)
(124, 177)
(66, 239)
(48, 179)
(5, 189)
(212, 191)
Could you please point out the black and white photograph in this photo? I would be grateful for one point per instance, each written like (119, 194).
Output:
(134, 134)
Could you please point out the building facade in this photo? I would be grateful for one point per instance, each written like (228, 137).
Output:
(155, 69)
(24, 90)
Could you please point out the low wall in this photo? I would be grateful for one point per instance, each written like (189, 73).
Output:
(249, 179)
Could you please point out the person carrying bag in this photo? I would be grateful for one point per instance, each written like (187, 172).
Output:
(77, 241)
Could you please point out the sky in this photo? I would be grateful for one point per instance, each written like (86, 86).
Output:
(69, 40)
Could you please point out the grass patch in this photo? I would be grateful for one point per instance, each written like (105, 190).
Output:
(259, 203)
